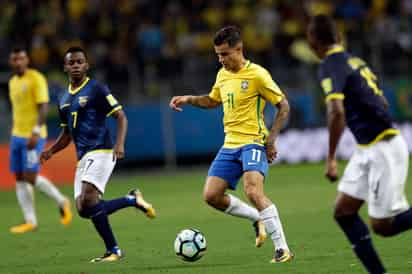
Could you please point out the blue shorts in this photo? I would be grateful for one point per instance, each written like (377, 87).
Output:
(21, 158)
(230, 164)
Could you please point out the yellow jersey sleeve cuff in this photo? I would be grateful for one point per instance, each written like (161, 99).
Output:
(63, 125)
(214, 98)
(114, 110)
(333, 96)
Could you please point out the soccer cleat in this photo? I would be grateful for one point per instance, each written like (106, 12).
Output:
(260, 233)
(141, 204)
(66, 215)
(109, 256)
(23, 228)
(282, 256)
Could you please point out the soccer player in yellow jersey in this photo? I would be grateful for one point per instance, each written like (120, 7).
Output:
(29, 100)
(243, 88)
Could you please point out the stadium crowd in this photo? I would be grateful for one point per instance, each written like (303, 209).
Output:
(134, 43)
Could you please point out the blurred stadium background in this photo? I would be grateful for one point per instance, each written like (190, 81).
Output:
(150, 50)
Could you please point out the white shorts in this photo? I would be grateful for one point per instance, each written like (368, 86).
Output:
(377, 175)
(95, 167)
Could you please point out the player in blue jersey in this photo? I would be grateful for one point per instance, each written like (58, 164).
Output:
(83, 111)
(377, 171)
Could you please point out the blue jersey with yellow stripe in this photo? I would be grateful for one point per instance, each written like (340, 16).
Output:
(84, 111)
(348, 78)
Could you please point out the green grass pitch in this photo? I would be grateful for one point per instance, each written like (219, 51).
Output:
(304, 199)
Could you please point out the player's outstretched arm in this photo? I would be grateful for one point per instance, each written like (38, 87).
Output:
(336, 126)
(280, 119)
(202, 101)
(61, 143)
(118, 150)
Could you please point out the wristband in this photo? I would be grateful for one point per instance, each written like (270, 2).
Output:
(36, 130)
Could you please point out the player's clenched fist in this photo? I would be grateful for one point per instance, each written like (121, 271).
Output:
(271, 151)
(118, 151)
(331, 170)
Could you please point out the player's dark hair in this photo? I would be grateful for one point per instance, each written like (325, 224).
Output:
(75, 49)
(19, 48)
(230, 35)
(324, 30)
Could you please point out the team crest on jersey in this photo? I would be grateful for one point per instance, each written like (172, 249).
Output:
(82, 100)
(244, 85)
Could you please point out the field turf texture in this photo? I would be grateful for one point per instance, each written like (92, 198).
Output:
(304, 199)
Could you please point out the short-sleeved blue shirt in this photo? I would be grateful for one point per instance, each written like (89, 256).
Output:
(84, 111)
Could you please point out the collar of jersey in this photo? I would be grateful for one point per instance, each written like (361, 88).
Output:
(76, 90)
(246, 65)
(335, 49)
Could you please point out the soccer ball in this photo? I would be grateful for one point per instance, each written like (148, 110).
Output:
(190, 245)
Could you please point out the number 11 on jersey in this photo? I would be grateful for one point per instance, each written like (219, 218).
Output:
(231, 100)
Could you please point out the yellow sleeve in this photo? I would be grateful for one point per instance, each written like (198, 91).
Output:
(40, 89)
(268, 88)
(215, 92)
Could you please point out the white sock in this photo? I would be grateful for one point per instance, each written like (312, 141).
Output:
(25, 197)
(241, 209)
(270, 218)
(47, 187)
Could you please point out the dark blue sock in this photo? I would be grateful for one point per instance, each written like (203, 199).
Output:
(358, 234)
(116, 204)
(101, 222)
(402, 222)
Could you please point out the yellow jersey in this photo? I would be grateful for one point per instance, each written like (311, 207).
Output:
(243, 95)
(26, 92)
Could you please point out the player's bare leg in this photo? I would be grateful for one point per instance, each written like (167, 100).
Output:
(253, 186)
(388, 227)
(25, 197)
(382, 227)
(214, 194)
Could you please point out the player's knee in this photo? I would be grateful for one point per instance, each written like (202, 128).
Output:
(81, 210)
(341, 216)
(337, 214)
(341, 211)
(84, 202)
(382, 231)
(83, 213)
(382, 228)
(253, 196)
(250, 191)
(210, 198)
